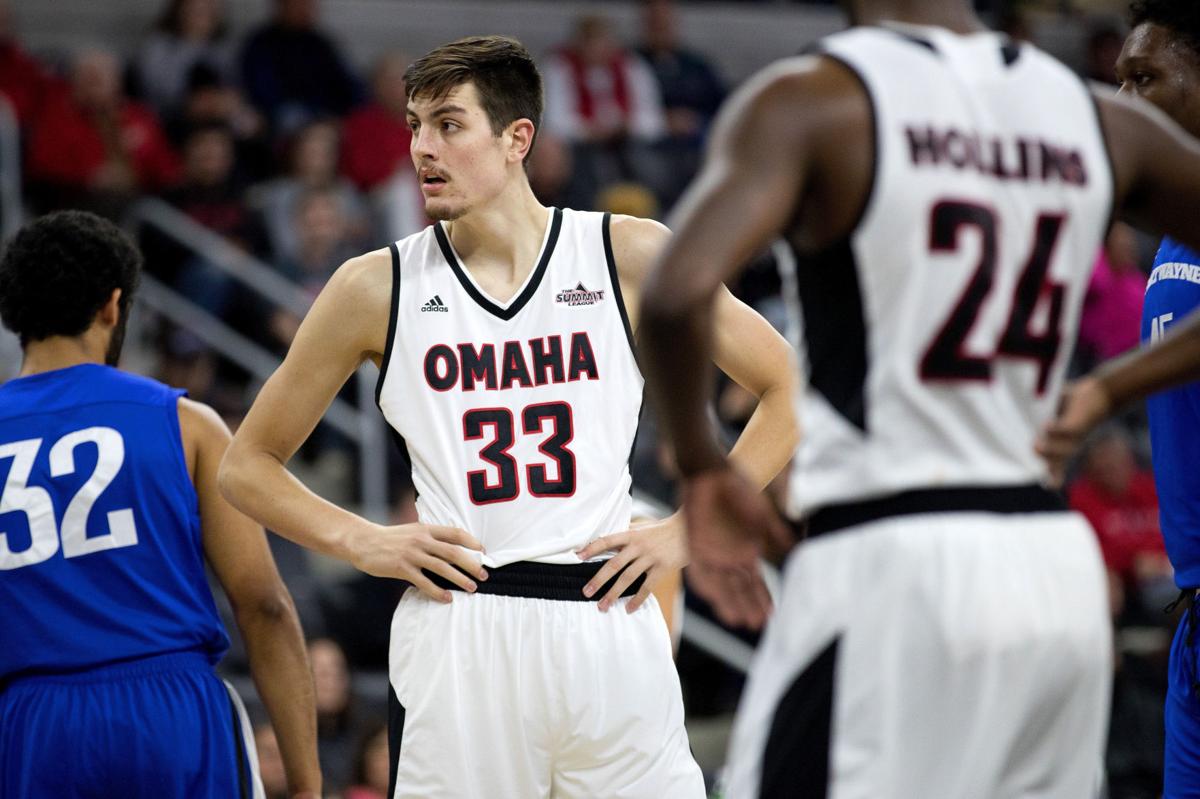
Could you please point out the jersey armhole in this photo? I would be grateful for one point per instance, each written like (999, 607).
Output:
(1108, 157)
(876, 138)
(614, 279)
(393, 315)
(185, 475)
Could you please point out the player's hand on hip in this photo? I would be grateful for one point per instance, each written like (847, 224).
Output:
(654, 549)
(727, 522)
(406, 551)
(1084, 405)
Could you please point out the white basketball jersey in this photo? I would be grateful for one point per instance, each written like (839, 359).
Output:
(518, 418)
(935, 337)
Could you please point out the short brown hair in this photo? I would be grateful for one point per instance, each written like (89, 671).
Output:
(509, 84)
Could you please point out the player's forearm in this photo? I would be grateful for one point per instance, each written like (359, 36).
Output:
(676, 358)
(1138, 374)
(261, 487)
(769, 438)
(279, 666)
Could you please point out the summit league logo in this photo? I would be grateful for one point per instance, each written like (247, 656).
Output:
(579, 296)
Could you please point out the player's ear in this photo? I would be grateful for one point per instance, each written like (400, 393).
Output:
(520, 135)
(110, 312)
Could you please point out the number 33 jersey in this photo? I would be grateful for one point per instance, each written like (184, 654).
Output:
(936, 335)
(518, 417)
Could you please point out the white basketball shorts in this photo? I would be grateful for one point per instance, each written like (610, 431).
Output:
(958, 655)
(510, 697)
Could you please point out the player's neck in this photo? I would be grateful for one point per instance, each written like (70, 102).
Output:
(61, 352)
(953, 15)
(508, 230)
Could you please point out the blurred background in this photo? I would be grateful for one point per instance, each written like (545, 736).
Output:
(252, 146)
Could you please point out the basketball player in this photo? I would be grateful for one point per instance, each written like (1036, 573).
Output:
(943, 631)
(1160, 62)
(109, 508)
(504, 335)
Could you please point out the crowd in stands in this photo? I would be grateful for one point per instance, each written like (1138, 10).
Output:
(290, 152)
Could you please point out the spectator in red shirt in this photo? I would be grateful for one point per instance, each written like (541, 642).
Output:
(1112, 308)
(23, 81)
(90, 146)
(1117, 496)
(376, 138)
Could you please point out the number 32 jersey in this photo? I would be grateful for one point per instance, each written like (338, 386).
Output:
(937, 333)
(101, 558)
(518, 418)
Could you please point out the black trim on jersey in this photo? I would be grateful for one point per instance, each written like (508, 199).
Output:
(239, 751)
(483, 302)
(912, 38)
(637, 430)
(1032, 498)
(795, 761)
(393, 318)
(559, 582)
(606, 234)
(1010, 51)
(835, 329)
(395, 730)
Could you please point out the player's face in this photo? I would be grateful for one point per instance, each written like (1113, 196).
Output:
(1158, 66)
(460, 161)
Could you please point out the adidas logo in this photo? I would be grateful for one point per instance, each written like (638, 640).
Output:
(579, 296)
(436, 305)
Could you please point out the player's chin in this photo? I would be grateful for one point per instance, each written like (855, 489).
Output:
(442, 211)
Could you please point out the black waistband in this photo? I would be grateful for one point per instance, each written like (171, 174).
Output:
(966, 499)
(563, 582)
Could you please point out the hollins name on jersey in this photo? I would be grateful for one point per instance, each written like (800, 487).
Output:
(470, 366)
(1004, 157)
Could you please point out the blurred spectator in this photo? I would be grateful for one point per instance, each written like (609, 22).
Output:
(1103, 48)
(189, 33)
(631, 199)
(270, 762)
(605, 101)
(23, 81)
(89, 146)
(371, 767)
(550, 170)
(599, 92)
(314, 165)
(691, 91)
(210, 193)
(376, 137)
(1112, 308)
(294, 73)
(212, 99)
(1117, 496)
(336, 733)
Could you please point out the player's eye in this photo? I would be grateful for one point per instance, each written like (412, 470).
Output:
(413, 125)
(1142, 78)
(447, 125)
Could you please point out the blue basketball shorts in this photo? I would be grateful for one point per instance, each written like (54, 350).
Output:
(1181, 769)
(164, 727)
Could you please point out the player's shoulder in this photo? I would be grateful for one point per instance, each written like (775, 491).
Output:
(364, 281)
(636, 242)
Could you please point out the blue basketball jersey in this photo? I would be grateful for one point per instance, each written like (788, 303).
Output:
(100, 551)
(1172, 293)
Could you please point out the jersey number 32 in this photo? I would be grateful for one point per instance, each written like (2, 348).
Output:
(35, 502)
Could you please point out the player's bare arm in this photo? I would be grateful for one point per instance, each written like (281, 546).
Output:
(236, 548)
(750, 352)
(347, 324)
(771, 146)
(1156, 167)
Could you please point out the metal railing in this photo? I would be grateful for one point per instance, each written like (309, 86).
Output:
(360, 422)
(10, 171)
